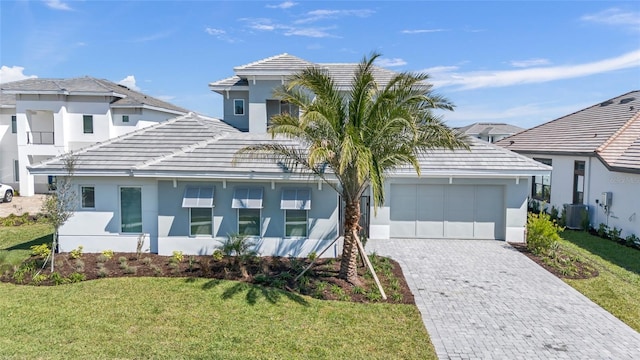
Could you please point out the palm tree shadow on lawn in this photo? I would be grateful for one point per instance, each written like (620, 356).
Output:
(253, 292)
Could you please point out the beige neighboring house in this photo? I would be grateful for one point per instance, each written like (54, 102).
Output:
(490, 132)
(595, 154)
(43, 118)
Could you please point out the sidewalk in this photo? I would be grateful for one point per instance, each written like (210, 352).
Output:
(22, 204)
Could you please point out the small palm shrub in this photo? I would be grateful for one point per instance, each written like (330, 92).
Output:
(542, 233)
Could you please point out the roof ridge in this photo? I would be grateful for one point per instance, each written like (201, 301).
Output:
(265, 60)
(626, 143)
(565, 116)
(183, 150)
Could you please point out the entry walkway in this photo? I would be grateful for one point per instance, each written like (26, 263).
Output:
(482, 299)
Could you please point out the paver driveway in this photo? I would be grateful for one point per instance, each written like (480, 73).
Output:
(482, 299)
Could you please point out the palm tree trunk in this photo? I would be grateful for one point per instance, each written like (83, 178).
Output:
(348, 266)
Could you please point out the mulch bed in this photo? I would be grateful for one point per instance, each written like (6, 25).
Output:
(276, 272)
(583, 271)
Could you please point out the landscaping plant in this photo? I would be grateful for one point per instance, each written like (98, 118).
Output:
(542, 233)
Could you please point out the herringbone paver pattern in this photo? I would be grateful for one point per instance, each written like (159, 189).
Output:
(485, 300)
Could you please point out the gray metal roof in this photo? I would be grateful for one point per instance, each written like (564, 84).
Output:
(193, 146)
(125, 97)
(609, 129)
(7, 101)
(487, 128)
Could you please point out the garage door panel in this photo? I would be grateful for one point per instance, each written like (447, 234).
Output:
(460, 210)
(430, 211)
(489, 213)
(403, 211)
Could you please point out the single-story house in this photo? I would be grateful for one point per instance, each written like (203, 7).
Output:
(595, 154)
(177, 184)
(490, 131)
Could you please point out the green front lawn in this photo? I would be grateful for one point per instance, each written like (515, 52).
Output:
(178, 318)
(15, 242)
(617, 288)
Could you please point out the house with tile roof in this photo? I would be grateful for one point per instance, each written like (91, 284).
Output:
(595, 154)
(183, 186)
(490, 132)
(43, 118)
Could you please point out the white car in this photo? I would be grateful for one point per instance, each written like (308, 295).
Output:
(6, 193)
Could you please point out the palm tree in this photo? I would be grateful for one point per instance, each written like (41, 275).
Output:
(359, 135)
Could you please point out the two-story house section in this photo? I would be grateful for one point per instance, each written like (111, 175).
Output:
(249, 102)
(43, 118)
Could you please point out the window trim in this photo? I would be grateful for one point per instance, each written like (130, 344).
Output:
(578, 174)
(120, 208)
(125, 118)
(85, 129)
(16, 170)
(235, 108)
(191, 223)
(82, 205)
(14, 124)
(259, 221)
(534, 184)
(306, 228)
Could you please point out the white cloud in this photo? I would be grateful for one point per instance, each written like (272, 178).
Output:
(502, 78)
(57, 5)
(317, 15)
(213, 31)
(615, 17)
(14, 73)
(130, 82)
(422, 31)
(390, 62)
(283, 5)
(529, 63)
(309, 32)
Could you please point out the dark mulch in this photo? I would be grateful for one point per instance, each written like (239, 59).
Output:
(581, 270)
(321, 281)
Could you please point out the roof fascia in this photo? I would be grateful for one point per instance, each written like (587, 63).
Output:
(617, 168)
(149, 107)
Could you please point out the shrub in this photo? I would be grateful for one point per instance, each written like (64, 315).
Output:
(177, 256)
(76, 277)
(632, 240)
(553, 213)
(542, 233)
(76, 253)
(218, 255)
(57, 278)
(312, 256)
(614, 233)
(108, 254)
(603, 230)
(147, 261)
(79, 265)
(42, 250)
(38, 278)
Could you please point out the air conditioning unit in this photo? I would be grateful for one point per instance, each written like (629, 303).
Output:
(575, 215)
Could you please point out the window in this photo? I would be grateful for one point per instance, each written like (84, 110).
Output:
(88, 197)
(16, 170)
(248, 201)
(14, 124)
(131, 209)
(87, 124)
(578, 182)
(125, 118)
(295, 203)
(295, 223)
(200, 221)
(238, 107)
(199, 200)
(541, 185)
(249, 222)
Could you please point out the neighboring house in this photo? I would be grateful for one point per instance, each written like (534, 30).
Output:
(43, 118)
(177, 183)
(595, 154)
(490, 132)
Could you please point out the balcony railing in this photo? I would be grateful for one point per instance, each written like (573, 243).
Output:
(40, 137)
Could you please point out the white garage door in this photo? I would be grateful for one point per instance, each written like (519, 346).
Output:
(447, 211)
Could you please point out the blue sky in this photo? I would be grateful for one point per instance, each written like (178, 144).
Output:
(520, 62)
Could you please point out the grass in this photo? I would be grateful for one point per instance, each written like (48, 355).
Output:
(15, 242)
(168, 318)
(617, 288)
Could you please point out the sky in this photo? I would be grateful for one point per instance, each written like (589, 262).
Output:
(519, 62)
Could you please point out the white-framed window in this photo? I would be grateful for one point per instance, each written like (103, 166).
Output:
(249, 222)
(200, 221)
(131, 209)
(238, 106)
(88, 197)
(296, 204)
(87, 124)
(16, 170)
(248, 201)
(14, 124)
(199, 201)
(125, 118)
(296, 223)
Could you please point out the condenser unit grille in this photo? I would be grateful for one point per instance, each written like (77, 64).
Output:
(575, 214)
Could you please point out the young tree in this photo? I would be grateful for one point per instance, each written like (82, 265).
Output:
(59, 206)
(360, 135)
